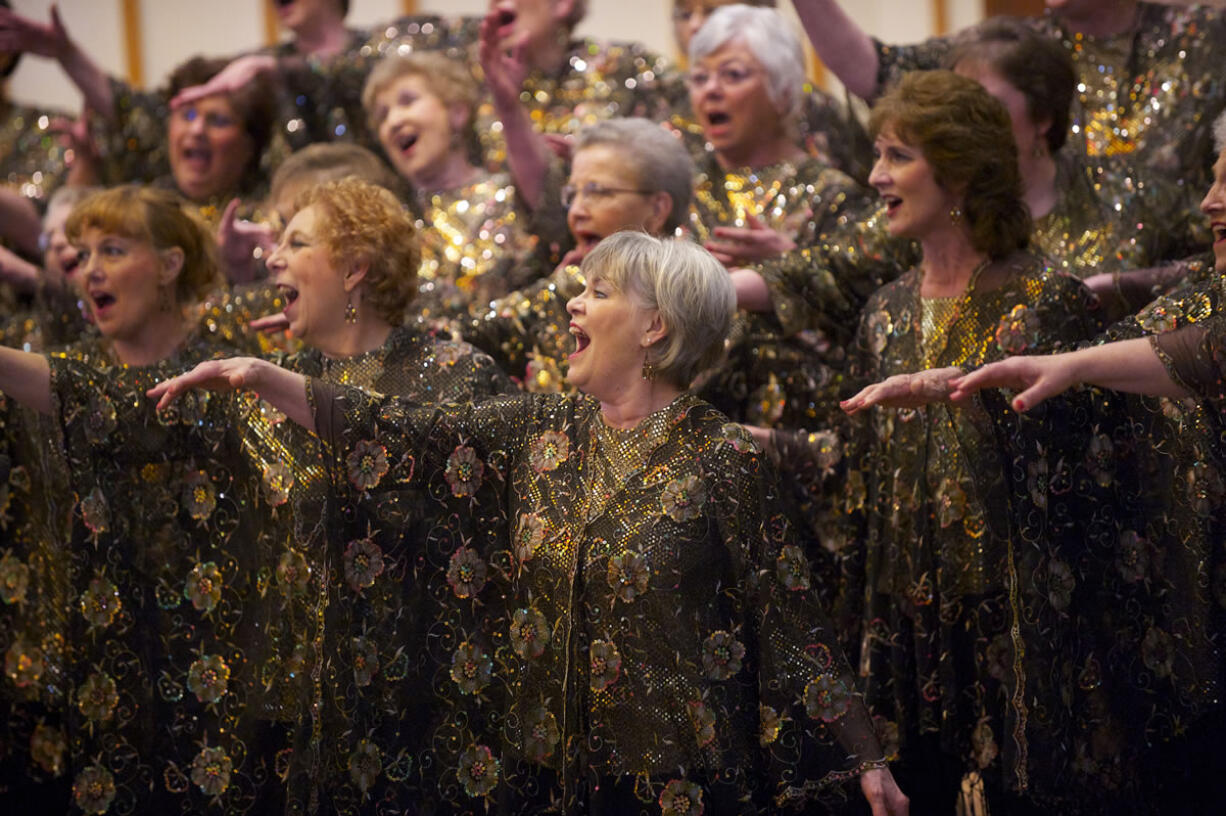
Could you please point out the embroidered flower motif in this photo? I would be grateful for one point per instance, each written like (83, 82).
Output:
(203, 586)
(95, 512)
(14, 579)
(1060, 584)
(1134, 557)
(1037, 482)
(23, 664)
(464, 472)
(826, 448)
(735, 435)
(792, 568)
(466, 572)
(363, 563)
(627, 575)
(1205, 489)
(367, 464)
(365, 765)
(531, 534)
(478, 771)
(888, 736)
(683, 498)
(100, 419)
(1018, 330)
(681, 798)
(529, 633)
(998, 656)
(211, 771)
(47, 748)
(826, 698)
(293, 572)
(199, 495)
(951, 502)
(879, 330)
(94, 789)
(703, 720)
(208, 677)
(605, 662)
(721, 655)
(1157, 651)
(471, 668)
(1157, 318)
(549, 450)
(365, 661)
(983, 744)
(100, 602)
(97, 697)
(1099, 459)
(768, 725)
(448, 353)
(278, 481)
(540, 735)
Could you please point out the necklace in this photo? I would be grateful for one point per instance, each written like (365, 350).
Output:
(938, 315)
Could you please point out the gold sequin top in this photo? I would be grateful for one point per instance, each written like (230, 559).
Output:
(645, 603)
(1150, 94)
(32, 158)
(475, 244)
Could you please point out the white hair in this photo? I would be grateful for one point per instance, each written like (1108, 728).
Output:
(769, 38)
(691, 290)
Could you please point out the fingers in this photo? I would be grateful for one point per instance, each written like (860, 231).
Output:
(187, 96)
(226, 226)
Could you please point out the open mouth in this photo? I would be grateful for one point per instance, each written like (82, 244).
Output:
(506, 21)
(1219, 231)
(892, 203)
(582, 341)
(288, 292)
(101, 301)
(717, 118)
(406, 142)
(198, 156)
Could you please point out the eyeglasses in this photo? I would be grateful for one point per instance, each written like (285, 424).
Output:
(594, 192)
(725, 77)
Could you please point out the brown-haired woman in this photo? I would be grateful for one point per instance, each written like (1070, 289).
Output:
(935, 560)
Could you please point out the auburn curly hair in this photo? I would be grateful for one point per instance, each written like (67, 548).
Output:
(365, 223)
(160, 218)
(965, 134)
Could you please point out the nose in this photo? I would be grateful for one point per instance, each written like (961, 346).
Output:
(276, 260)
(878, 177)
(90, 269)
(1215, 200)
(575, 305)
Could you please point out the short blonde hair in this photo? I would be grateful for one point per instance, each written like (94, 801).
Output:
(161, 219)
(364, 222)
(328, 161)
(691, 290)
(447, 78)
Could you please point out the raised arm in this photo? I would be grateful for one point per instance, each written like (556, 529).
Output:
(279, 387)
(21, 34)
(26, 377)
(1128, 365)
(843, 46)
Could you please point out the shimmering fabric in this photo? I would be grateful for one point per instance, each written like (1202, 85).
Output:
(227, 313)
(934, 574)
(1150, 94)
(475, 242)
(637, 635)
(31, 157)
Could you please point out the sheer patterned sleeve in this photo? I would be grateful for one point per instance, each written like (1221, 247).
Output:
(895, 60)
(814, 727)
(1195, 357)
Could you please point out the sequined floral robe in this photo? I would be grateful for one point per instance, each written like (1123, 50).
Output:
(941, 566)
(639, 637)
(1148, 96)
(31, 157)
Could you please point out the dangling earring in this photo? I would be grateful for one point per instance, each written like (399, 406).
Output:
(955, 214)
(351, 311)
(649, 369)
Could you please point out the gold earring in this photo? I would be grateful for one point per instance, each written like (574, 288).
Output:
(649, 368)
(955, 215)
(351, 311)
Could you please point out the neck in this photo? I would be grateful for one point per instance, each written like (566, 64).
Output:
(949, 262)
(636, 403)
(549, 57)
(353, 339)
(760, 154)
(1039, 177)
(1104, 21)
(158, 339)
(323, 37)
(453, 172)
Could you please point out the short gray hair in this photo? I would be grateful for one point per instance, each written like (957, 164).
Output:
(770, 38)
(656, 157)
(691, 290)
(1219, 133)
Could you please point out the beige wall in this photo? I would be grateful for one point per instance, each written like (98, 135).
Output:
(173, 30)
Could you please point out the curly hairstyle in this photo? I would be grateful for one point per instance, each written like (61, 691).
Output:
(364, 222)
(255, 103)
(965, 134)
(1038, 66)
(160, 218)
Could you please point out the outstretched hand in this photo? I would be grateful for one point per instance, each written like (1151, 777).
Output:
(22, 35)
(883, 794)
(1036, 378)
(234, 77)
(505, 71)
(747, 245)
(905, 390)
(232, 374)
